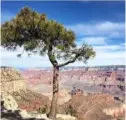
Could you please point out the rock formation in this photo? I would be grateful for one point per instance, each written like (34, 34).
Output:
(116, 111)
(13, 84)
(10, 111)
(9, 102)
(103, 81)
(32, 101)
(89, 107)
(11, 80)
(63, 96)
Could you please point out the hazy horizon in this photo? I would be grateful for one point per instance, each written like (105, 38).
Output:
(66, 66)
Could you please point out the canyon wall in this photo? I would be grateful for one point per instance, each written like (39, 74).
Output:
(13, 84)
(11, 80)
(90, 81)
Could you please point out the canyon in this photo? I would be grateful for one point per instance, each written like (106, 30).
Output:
(89, 81)
(99, 90)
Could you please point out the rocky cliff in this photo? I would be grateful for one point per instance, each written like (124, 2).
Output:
(91, 107)
(13, 83)
(90, 81)
(11, 80)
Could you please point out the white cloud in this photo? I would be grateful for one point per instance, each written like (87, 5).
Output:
(9, 58)
(108, 55)
(93, 40)
(107, 28)
(101, 62)
(109, 48)
(105, 55)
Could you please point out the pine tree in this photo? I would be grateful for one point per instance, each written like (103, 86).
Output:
(38, 35)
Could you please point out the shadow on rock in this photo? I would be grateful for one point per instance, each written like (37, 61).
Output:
(15, 115)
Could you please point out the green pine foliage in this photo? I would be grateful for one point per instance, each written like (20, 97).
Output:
(35, 33)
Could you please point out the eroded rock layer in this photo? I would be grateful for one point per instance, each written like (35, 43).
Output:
(11, 80)
(13, 83)
(90, 107)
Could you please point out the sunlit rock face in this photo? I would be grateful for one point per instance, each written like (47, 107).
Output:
(90, 107)
(9, 102)
(13, 83)
(90, 81)
(11, 111)
(116, 111)
(11, 80)
(31, 101)
(63, 96)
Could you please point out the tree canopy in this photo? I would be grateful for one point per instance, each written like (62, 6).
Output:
(35, 33)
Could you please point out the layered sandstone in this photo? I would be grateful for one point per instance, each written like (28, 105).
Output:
(11, 80)
(91, 81)
(13, 83)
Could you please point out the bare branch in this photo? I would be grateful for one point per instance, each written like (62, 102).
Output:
(81, 54)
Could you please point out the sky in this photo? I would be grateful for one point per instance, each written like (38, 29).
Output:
(100, 24)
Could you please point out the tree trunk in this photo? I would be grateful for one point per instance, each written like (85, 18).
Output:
(53, 110)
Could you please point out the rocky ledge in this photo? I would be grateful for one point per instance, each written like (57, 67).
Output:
(10, 111)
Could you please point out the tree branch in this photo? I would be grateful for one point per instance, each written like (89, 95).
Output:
(70, 61)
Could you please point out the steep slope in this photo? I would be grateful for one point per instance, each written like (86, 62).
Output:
(89, 107)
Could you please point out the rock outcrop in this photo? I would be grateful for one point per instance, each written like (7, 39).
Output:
(10, 112)
(116, 111)
(89, 107)
(11, 80)
(9, 102)
(32, 101)
(12, 83)
(63, 96)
